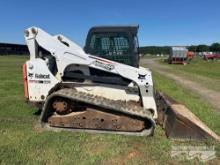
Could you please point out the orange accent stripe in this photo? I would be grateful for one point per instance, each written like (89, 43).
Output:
(24, 68)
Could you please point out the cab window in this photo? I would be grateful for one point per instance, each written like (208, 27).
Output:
(109, 44)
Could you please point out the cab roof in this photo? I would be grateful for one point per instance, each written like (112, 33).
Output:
(115, 28)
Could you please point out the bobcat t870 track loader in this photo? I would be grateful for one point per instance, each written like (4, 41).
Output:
(81, 92)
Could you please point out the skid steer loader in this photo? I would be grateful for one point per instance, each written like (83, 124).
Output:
(78, 91)
(81, 91)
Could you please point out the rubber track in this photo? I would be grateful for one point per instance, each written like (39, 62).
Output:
(117, 106)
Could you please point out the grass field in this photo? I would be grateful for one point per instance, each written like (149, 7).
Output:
(21, 143)
(206, 73)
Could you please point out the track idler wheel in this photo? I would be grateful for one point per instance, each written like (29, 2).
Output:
(61, 107)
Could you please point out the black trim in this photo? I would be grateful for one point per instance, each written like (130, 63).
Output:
(116, 80)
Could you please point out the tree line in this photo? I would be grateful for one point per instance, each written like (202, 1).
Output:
(154, 50)
(215, 47)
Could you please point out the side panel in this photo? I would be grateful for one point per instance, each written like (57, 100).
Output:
(40, 80)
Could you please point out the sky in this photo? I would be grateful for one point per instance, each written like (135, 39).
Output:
(162, 22)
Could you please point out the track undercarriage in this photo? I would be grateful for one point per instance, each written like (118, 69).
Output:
(70, 109)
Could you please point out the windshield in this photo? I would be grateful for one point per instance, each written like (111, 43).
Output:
(109, 44)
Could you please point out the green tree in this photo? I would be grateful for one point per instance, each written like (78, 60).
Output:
(154, 50)
(215, 47)
(202, 48)
(192, 48)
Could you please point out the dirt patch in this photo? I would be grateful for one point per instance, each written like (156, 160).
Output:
(37, 127)
(207, 94)
(124, 158)
(132, 155)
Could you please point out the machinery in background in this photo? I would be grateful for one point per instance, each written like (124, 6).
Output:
(178, 55)
(190, 55)
(214, 56)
